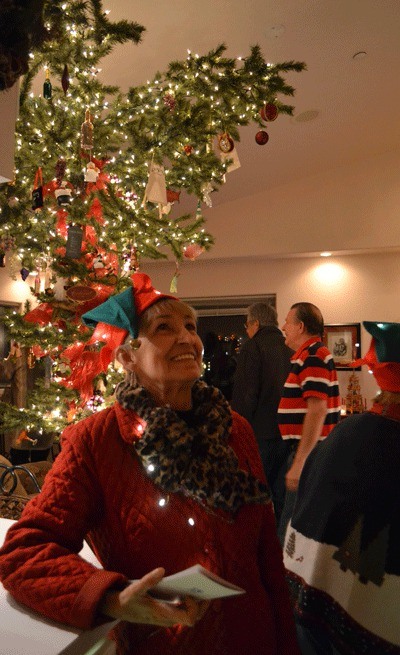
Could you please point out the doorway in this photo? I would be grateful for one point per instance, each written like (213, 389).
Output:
(221, 329)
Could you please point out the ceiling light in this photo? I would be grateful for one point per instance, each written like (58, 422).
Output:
(326, 254)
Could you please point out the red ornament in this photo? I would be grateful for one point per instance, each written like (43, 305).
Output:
(188, 149)
(269, 112)
(262, 137)
(169, 101)
(173, 196)
(192, 251)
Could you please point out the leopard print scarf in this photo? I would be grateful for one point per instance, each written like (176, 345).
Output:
(197, 460)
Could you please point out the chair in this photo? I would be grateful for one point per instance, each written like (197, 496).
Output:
(11, 503)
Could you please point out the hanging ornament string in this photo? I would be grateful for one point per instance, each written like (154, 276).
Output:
(173, 287)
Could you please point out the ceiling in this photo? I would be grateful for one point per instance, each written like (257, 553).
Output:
(355, 99)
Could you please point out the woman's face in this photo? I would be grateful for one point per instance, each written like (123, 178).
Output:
(170, 353)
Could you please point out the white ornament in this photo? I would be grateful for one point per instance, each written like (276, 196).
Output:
(92, 172)
(155, 189)
(98, 262)
(167, 208)
(233, 156)
(206, 190)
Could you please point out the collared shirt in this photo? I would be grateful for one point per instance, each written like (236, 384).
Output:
(313, 375)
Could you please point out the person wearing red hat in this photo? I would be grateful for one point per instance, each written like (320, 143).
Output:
(342, 550)
(166, 478)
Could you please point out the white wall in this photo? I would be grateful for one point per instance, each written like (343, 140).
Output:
(347, 289)
(348, 208)
(15, 291)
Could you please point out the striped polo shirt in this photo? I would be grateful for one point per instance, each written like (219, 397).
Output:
(313, 375)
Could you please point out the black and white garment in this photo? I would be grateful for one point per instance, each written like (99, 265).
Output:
(342, 549)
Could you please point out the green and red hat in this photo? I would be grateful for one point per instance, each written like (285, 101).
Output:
(113, 321)
(383, 356)
(124, 309)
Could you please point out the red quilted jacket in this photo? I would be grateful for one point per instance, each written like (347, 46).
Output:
(96, 487)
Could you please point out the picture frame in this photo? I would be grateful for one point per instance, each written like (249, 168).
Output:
(343, 340)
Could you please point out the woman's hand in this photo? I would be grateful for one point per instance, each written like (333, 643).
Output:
(135, 605)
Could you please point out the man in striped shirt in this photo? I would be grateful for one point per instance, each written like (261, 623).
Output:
(310, 402)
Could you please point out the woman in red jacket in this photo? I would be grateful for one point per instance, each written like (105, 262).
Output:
(166, 478)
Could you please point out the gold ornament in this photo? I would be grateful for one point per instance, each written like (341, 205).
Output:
(31, 359)
(135, 344)
(225, 142)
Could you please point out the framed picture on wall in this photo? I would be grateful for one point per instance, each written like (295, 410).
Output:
(344, 342)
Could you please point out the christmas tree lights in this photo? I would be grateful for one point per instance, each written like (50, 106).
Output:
(113, 166)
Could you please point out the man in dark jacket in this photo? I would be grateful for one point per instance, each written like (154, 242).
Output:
(262, 368)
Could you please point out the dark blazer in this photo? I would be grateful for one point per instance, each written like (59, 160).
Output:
(262, 368)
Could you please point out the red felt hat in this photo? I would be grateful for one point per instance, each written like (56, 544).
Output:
(383, 356)
(145, 294)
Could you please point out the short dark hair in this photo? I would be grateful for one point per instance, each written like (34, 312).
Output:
(262, 312)
(311, 316)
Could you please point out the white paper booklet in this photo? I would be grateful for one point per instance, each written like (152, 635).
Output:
(198, 582)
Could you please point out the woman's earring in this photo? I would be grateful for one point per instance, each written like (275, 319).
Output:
(135, 344)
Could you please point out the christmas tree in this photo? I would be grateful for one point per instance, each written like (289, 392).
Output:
(98, 178)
